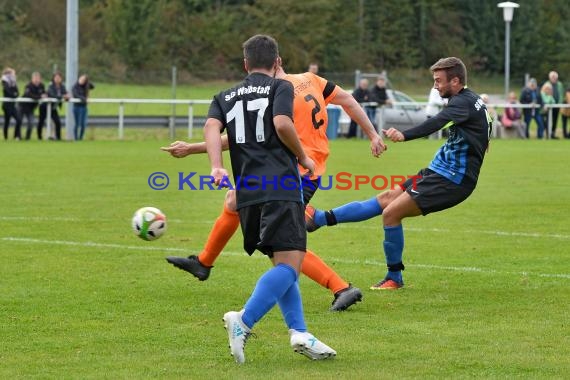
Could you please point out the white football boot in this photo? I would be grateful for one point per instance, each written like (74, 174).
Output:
(306, 344)
(238, 333)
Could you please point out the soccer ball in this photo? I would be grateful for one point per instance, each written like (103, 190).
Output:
(149, 223)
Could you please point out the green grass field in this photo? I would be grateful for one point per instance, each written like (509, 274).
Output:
(487, 283)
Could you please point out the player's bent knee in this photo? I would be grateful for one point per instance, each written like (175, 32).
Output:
(390, 216)
(401, 208)
(231, 200)
(385, 198)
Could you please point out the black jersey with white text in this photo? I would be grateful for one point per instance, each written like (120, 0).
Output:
(469, 123)
(264, 168)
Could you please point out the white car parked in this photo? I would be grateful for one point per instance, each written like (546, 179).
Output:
(399, 116)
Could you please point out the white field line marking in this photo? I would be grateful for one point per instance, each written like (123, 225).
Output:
(341, 226)
(498, 233)
(39, 219)
(230, 253)
(482, 232)
(90, 244)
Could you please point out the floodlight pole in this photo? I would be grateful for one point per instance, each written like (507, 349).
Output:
(507, 57)
(71, 61)
(508, 10)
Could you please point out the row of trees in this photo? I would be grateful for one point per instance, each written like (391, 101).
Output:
(132, 39)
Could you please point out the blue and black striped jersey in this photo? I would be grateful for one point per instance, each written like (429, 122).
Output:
(470, 125)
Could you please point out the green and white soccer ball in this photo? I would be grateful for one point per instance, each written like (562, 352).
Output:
(149, 223)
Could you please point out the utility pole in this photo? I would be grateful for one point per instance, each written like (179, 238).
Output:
(71, 61)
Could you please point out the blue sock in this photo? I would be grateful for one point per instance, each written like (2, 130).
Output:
(393, 249)
(292, 308)
(270, 287)
(350, 212)
(320, 218)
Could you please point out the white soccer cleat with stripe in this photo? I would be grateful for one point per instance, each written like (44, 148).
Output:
(306, 344)
(238, 333)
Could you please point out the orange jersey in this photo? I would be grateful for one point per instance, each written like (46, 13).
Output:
(312, 94)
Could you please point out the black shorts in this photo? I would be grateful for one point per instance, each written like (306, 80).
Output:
(310, 186)
(273, 227)
(433, 192)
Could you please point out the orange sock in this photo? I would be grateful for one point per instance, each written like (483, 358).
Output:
(316, 269)
(223, 229)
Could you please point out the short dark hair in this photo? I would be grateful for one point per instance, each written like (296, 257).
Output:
(453, 67)
(260, 51)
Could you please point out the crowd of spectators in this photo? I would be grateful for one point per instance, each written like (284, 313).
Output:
(539, 108)
(534, 104)
(514, 120)
(37, 97)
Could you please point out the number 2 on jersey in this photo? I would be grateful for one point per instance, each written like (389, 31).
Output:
(316, 123)
(259, 105)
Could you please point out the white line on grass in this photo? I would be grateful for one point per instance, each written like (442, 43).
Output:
(90, 244)
(230, 253)
(483, 232)
(344, 226)
(39, 218)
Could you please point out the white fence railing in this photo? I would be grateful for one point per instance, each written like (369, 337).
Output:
(121, 112)
(190, 104)
(548, 107)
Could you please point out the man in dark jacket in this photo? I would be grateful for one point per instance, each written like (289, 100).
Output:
(34, 90)
(362, 95)
(379, 94)
(531, 95)
(10, 90)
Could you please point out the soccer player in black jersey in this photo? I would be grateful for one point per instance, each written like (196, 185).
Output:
(264, 151)
(448, 180)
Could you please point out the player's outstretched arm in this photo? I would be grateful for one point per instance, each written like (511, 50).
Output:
(356, 113)
(181, 149)
(214, 147)
(431, 125)
(288, 135)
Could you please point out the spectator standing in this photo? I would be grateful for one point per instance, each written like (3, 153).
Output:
(56, 90)
(378, 92)
(379, 95)
(547, 99)
(492, 111)
(512, 117)
(531, 95)
(10, 90)
(435, 103)
(81, 90)
(313, 68)
(362, 95)
(558, 95)
(35, 90)
(566, 113)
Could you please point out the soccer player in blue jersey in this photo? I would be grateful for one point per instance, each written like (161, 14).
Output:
(448, 180)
